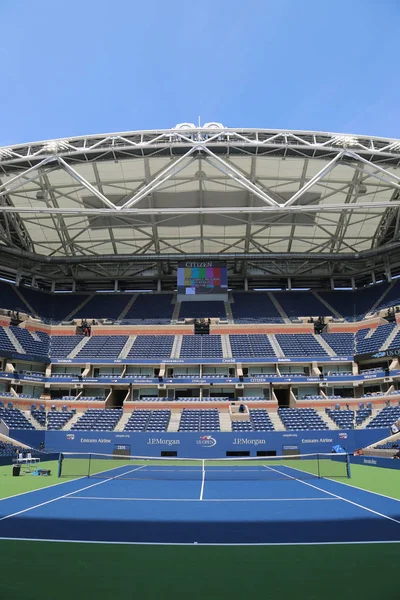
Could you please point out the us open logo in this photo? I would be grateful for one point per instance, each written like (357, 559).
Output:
(207, 440)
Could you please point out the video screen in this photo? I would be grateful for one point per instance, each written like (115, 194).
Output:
(199, 278)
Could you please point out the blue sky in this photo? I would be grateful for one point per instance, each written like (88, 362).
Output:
(74, 67)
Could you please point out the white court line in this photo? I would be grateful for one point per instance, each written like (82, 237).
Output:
(20, 512)
(202, 499)
(194, 544)
(332, 494)
(203, 476)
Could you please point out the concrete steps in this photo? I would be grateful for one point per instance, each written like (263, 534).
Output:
(173, 424)
(123, 421)
(72, 421)
(226, 346)
(324, 344)
(127, 307)
(278, 307)
(33, 421)
(326, 418)
(390, 338)
(374, 412)
(176, 346)
(78, 347)
(81, 305)
(228, 311)
(275, 345)
(225, 422)
(332, 311)
(276, 422)
(128, 345)
(175, 314)
(14, 340)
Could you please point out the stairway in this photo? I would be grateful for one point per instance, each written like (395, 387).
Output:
(32, 420)
(373, 414)
(81, 305)
(173, 424)
(176, 346)
(35, 336)
(390, 338)
(228, 311)
(122, 314)
(175, 314)
(324, 344)
(226, 346)
(72, 421)
(275, 345)
(276, 422)
(128, 345)
(123, 421)
(14, 340)
(326, 418)
(225, 422)
(78, 347)
(381, 297)
(278, 307)
(332, 311)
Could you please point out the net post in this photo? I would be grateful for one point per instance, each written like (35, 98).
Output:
(60, 461)
(89, 464)
(348, 468)
(318, 466)
(203, 465)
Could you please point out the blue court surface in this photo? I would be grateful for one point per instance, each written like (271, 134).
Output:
(178, 505)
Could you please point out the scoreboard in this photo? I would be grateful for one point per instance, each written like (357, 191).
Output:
(202, 278)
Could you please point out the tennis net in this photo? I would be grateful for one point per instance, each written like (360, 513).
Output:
(108, 466)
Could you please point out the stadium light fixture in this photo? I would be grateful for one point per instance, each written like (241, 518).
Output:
(5, 153)
(55, 146)
(345, 140)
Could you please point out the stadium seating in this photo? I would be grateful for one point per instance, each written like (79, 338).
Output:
(62, 345)
(259, 421)
(103, 306)
(6, 344)
(103, 346)
(14, 418)
(343, 344)
(151, 309)
(375, 341)
(301, 418)
(202, 310)
(201, 346)
(386, 417)
(256, 345)
(206, 419)
(29, 344)
(300, 344)
(152, 346)
(348, 419)
(95, 419)
(9, 298)
(301, 304)
(148, 420)
(254, 307)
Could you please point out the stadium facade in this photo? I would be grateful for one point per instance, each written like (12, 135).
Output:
(301, 231)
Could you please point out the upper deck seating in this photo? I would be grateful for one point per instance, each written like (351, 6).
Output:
(152, 309)
(300, 344)
(202, 310)
(254, 307)
(255, 345)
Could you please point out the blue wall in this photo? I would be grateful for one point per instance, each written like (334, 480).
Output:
(375, 461)
(30, 437)
(193, 445)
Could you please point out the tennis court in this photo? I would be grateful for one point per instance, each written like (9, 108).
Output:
(153, 501)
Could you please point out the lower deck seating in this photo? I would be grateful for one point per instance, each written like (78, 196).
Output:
(259, 421)
(14, 418)
(386, 417)
(148, 420)
(301, 418)
(95, 419)
(206, 419)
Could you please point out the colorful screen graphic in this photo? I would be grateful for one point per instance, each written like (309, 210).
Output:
(196, 278)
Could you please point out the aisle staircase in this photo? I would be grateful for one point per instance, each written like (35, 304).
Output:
(173, 424)
(225, 422)
(123, 421)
